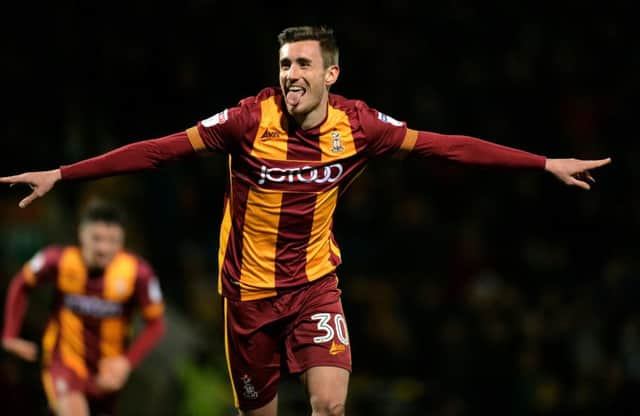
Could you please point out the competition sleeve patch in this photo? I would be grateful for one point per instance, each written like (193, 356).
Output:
(155, 305)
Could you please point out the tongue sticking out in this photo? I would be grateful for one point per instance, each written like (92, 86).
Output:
(293, 97)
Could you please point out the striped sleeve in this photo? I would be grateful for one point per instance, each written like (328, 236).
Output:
(384, 134)
(222, 131)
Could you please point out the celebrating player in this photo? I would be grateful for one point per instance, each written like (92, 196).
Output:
(291, 152)
(86, 351)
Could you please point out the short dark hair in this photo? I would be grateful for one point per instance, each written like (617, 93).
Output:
(99, 210)
(322, 34)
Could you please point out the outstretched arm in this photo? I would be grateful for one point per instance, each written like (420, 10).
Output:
(466, 149)
(139, 156)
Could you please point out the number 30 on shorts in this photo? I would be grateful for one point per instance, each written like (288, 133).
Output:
(338, 329)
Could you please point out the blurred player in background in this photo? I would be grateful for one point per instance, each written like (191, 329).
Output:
(291, 152)
(86, 350)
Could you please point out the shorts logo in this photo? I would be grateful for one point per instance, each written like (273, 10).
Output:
(337, 348)
(249, 391)
(219, 118)
(61, 386)
(336, 142)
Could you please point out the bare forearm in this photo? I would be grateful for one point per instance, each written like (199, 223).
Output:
(138, 156)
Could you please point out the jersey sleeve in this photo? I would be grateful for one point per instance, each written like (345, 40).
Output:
(384, 134)
(43, 266)
(222, 131)
(148, 293)
(471, 150)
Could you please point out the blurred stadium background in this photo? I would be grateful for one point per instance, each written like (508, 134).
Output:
(467, 291)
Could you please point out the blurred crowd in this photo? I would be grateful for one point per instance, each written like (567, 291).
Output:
(467, 291)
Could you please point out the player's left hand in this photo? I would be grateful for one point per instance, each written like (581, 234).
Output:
(575, 172)
(113, 372)
(24, 349)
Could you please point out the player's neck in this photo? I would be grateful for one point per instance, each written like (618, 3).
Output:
(315, 117)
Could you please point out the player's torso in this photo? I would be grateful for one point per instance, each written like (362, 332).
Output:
(283, 191)
(92, 311)
(101, 295)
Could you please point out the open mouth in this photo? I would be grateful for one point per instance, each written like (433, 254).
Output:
(294, 94)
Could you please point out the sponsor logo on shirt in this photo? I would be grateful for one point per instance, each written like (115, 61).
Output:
(219, 118)
(388, 119)
(305, 174)
(92, 306)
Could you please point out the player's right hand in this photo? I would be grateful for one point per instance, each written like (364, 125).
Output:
(40, 183)
(24, 349)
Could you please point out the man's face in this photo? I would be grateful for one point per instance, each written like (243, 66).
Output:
(303, 77)
(100, 242)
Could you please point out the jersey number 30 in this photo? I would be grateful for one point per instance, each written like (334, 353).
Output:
(339, 328)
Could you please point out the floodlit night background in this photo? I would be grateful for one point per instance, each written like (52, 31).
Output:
(467, 291)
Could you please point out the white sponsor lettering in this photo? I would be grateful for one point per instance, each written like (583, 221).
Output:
(92, 306)
(305, 174)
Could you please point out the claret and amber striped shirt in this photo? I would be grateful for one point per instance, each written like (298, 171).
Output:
(283, 187)
(91, 314)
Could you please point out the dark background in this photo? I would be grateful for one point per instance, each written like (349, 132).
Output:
(467, 290)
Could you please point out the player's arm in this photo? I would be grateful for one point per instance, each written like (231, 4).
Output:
(14, 310)
(134, 157)
(151, 306)
(385, 135)
(216, 133)
(39, 269)
(471, 150)
(114, 371)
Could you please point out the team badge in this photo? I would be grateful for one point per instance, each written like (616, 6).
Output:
(121, 286)
(336, 142)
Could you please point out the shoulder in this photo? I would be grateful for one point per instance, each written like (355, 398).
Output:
(53, 252)
(144, 268)
(47, 258)
(343, 103)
